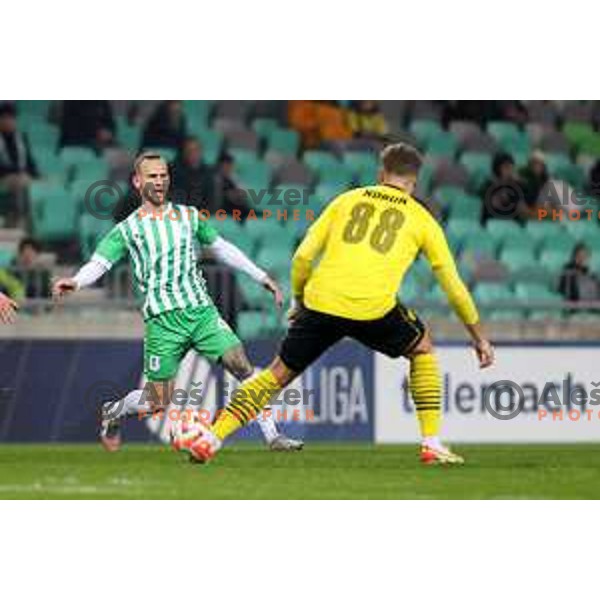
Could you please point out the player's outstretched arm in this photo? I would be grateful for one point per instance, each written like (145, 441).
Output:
(444, 268)
(87, 275)
(230, 255)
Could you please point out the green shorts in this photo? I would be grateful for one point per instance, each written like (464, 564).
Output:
(170, 335)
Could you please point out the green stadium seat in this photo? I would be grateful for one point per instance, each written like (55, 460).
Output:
(518, 258)
(534, 273)
(256, 175)
(212, 143)
(546, 314)
(33, 108)
(274, 260)
(91, 230)
(584, 317)
(129, 135)
(536, 292)
(328, 191)
(243, 157)
(168, 154)
(264, 126)
(92, 171)
(510, 138)
(560, 243)
(583, 231)
(463, 228)
(49, 165)
(284, 141)
(542, 230)
(442, 144)
(556, 162)
(487, 293)
(591, 145)
(465, 207)
(42, 135)
(507, 314)
(74, 156)
(501, 229)
(197, 114)
(424, 130)
(479, 245)
(100, 202)
(253, 324)
(53, 212)
(363, 166)
(578, 133)
(554, 259)
(479, 167)
(6, 257)
(445, 195)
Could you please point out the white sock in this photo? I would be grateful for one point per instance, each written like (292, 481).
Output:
(432, 441)
(267, 424)
(132, 404)
(266, 421)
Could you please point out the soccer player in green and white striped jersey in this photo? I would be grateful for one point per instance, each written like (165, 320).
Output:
(159, 239)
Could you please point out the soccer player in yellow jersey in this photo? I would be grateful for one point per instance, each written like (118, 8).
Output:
(367, 239)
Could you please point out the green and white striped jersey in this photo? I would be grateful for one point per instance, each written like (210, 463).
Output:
(161, 248)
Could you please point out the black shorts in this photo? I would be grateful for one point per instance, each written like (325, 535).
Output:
(311, 333)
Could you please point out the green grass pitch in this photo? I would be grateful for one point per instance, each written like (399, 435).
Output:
(327, 471)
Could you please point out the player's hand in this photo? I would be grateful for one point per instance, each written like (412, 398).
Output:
(8, 308)
(63, 287)
(485, 353)
(271, 285)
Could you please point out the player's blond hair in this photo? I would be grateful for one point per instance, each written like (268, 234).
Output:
(139, 160)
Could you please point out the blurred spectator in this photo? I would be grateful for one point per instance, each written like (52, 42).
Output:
(483, 111)
(534, 176)
(594, 180)
(17, 166)
(366, 119)
(191, 177)
(87, 123)
(302, 116)
(30, 271)
(577, 283)
(501, 193)
(333, 122)
(228, 194)
(166, 126)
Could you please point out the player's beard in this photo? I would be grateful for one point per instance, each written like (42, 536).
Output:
(149, 194)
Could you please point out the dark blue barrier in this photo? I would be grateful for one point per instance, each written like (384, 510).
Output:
(49, 390)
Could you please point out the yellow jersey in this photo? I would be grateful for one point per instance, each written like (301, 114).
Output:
(367, 239)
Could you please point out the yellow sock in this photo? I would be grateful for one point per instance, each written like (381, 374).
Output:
(426, 391)
(246, 403)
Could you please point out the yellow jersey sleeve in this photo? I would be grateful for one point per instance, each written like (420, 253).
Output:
(444, 268)
(310, 248)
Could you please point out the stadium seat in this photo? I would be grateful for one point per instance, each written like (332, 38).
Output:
(465, 207)
(540, 230)
(91, 230)
(517, 259)
(129, 135)
(253, 324)
(212, 143)
(254, 174)
(510, 315)
(264, 126)
(479, 244)
(168, 154)
(462, 228)
(510, 138)
(488, 293)
(284, 141)
(442, 144)
(363, 166)
(328, 168)
(554, 142)
(424, 130)
(536, 292)
(275, 259)
(560, 242)
(53, 212)
(501, 229)
(6, 257)
(479, 167)
(197, 114)
(578, 133)
(591, 145)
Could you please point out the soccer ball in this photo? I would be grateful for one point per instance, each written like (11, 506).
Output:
(185, 431)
